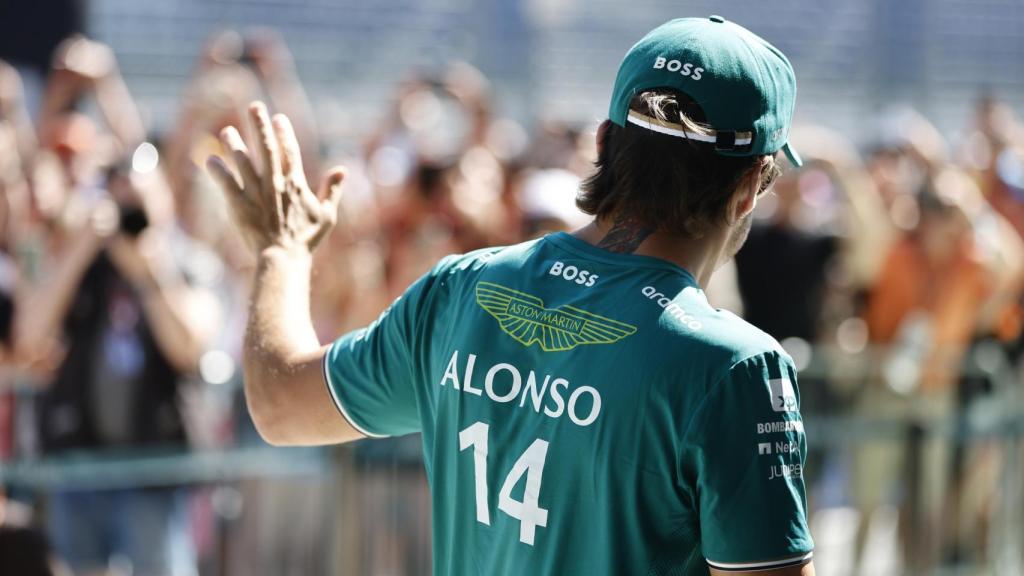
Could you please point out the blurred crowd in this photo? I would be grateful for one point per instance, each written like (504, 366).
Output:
(892, 271)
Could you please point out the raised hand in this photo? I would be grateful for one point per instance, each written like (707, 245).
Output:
(85, 59)
(272, 203)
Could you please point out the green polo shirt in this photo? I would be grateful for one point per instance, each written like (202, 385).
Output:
(584, 412)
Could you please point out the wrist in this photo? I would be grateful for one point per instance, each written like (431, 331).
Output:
(299, 254)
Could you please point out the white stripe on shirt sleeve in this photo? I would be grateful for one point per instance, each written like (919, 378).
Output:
(782, 562)
(339, 406)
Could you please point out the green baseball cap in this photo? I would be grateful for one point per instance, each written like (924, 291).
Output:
(745, 86)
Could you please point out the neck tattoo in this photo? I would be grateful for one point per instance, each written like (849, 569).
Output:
(625, 236)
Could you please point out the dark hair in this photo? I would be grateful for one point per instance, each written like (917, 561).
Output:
(666, 182)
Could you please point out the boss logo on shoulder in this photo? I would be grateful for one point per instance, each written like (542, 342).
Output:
(684, 69)
(573, 274)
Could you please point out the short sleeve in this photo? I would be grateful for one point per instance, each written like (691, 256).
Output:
(371, 372)
(746, 450)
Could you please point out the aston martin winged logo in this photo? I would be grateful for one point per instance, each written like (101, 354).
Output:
(524, 318)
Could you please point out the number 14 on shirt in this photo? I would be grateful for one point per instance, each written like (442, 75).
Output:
(531, 462)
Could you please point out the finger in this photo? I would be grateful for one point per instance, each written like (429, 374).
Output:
(330, 192)
(331, 202)
(330, 199)
(270, 154)
(223, 176)
(273, 181)
(243, 208)
(232, 140)
(291, 158)
(291, 162)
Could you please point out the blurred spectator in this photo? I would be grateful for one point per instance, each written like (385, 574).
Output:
(782, 268)
(943, 282)
(123, 304)
(816, 244)
(436, 174)
(233, 69)
(84, 67)
(17, 149)
(129, 300)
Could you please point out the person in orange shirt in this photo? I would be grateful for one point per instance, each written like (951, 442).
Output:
(948, 279)
(942, 283)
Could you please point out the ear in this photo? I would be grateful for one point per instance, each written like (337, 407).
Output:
(745, 199)
(601, 131)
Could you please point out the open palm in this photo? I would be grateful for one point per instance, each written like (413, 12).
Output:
(272, 202)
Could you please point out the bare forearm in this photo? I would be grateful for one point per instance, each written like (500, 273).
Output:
(57, 97)
(279, 337)
(120, 111)
(280, 327)
(182, 320)
(177, 149)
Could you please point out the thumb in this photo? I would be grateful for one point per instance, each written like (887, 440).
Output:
(332, 187)
(330, 198)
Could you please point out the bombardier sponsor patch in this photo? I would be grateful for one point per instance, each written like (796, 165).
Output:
(780, 426)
